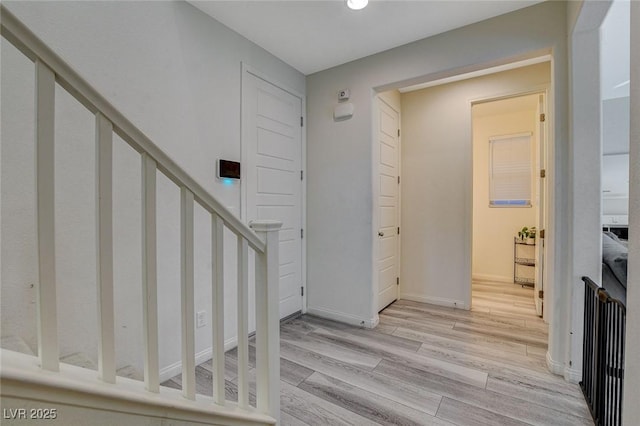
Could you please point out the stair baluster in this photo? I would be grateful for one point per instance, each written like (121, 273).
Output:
(150, 275)
(217, 244)
(104, 237)
(45, 192)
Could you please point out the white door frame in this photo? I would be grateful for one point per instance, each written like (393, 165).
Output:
(541, 191)
(246, 71)
(548, 262)
(556, 284)
(375, 187)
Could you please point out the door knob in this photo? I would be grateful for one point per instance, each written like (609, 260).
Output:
(380, 234)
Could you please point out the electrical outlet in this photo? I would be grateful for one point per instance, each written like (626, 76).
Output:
(201, 319)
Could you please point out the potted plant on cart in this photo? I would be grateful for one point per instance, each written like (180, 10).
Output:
(528, 235)
(531, 238)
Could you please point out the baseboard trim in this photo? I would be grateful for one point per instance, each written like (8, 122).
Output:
(175, 369)
(572, 375)
(290, 317)
(207, 354)
(344, 318)
(375, 321)
(555, 367)
(492, 278)
(440, 301)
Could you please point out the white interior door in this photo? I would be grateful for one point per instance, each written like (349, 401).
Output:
(388, 203)
(272, 153)
(540, 198)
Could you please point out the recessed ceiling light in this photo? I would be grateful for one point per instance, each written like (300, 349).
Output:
(357, 4)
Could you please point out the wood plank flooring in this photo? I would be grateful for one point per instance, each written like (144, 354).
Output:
(423, 365)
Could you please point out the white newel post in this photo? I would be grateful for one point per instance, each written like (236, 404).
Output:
(268, 318)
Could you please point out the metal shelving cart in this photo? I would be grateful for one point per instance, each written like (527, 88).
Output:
(524, 263)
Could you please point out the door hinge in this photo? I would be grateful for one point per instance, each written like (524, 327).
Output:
(541, 233)
(398, 180)
(543, 118)
(398, 132)
(397, 280)
(301, 121)
(301, 174)
(543, 173)
(301, 233)
(541, 294)
(301, 291)
(398, 230)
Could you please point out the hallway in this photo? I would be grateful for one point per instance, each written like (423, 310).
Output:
(422, 365)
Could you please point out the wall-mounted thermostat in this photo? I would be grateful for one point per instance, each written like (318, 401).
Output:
(344, 94)
(228, 169)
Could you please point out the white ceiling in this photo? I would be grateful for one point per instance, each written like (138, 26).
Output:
(315, 35)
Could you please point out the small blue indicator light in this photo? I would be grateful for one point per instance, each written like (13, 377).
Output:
(227, 181)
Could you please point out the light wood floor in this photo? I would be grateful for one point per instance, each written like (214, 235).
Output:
(423, 365)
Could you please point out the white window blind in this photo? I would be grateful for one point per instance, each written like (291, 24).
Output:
(510, 170)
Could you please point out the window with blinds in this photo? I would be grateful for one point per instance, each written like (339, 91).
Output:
(510, 171)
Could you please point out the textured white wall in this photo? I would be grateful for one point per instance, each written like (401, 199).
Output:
(19, 272)
(339, 161)
(437, 165)
(494, 228)
(175, 73)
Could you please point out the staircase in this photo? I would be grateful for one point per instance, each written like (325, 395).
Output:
(45, 380)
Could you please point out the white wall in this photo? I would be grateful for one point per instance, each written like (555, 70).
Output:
(615, 126)
(175, 73)
(573, 11)
(631, 408)
(615, 151)
(494, 228)
(339, 153)
(437, 189)
(585, 150)
(19, 266)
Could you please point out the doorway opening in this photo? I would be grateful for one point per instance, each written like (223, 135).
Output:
(436, 190)
(509, 200)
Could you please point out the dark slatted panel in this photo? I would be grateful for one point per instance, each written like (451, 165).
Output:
(603, 354)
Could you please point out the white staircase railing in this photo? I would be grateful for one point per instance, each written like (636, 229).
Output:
(50, 68)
